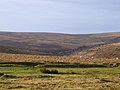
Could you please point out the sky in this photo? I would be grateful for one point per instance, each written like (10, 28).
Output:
(61, 16)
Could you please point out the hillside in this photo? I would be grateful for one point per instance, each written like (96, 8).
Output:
(53, 43)
(110, 51)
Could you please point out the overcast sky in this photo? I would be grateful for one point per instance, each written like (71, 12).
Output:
(65, 16)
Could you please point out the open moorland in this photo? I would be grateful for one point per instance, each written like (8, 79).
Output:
(53, 43)
(52, 61)
(37, 72)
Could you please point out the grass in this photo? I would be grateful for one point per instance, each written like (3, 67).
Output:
(36, 70)
(65, 59)
(24, 77)
(23, 72)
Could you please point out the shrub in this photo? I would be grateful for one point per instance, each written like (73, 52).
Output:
(44, 70)
(9, 76)
(54, 71)
(1, 74)
(73, 73)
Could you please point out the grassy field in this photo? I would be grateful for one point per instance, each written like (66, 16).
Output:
(25, 72)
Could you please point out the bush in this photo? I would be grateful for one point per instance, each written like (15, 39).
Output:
(44, 70)
(9, 76)
(1, 74)
(54, 71)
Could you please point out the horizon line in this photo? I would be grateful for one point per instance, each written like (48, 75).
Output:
(55, 32)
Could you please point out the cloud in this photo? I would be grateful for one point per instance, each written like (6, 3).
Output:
(75, 16)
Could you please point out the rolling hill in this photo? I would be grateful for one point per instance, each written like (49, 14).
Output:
(53, 43)
(105, 51)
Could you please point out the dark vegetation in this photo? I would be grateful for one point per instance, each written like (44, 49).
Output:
(74, 65)
(44, 70)
(58, 65)
(8, 76)
(1, 74)
(9, 64)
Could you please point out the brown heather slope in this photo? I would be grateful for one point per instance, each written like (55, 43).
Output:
(110, 51)
(53, 43)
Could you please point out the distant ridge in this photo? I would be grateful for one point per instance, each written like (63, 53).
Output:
(53, 43)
